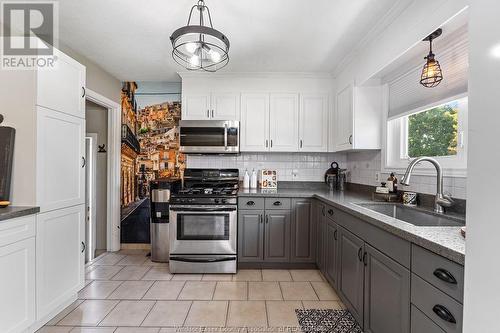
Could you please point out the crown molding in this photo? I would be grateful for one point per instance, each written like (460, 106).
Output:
(264, 75)
(389, 17)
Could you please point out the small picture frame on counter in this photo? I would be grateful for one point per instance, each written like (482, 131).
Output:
(268, 179)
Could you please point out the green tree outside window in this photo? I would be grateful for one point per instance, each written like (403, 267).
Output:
(434, 132)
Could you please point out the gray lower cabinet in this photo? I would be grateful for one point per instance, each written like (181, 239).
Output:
(250, 235)
(321, 237)
(277, 236)
(351, 275)
(332, 266)
(387, 294)
(303, 232)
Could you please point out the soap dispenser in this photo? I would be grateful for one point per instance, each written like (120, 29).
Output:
(253, 182)
(246, 180)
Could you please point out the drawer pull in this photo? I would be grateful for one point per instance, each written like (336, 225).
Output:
(277, 203)
(250, 203)
(444, 313)
(330, 211)
(444, 275)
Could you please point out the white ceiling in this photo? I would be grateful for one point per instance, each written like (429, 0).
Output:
(130, 38)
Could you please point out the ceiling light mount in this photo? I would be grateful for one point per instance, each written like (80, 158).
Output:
(432, 75)
(200, 46)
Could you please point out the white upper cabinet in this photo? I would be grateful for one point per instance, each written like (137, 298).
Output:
(63, 87)
(196, 107)
(284, 122)
(358, 118)
(254, 128)
(313, 123)
(60, 177)
(225, 106)
(211, 106)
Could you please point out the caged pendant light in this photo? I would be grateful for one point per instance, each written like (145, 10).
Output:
(432, 74)
(200, 46)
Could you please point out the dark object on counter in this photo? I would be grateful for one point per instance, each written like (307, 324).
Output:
(7, 136)
(335, 177)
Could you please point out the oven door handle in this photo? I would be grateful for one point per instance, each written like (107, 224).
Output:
(202, 210)
(201, 260)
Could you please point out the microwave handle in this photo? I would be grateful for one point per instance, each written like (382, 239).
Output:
(225, 136)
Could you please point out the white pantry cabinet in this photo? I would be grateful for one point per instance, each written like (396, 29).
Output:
(60, 257)
(17, 269)
(60, 172)
(313, 123)
(211, 106)
(358, 118)
(63, 87)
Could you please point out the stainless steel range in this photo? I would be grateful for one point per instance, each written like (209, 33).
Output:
(203, 222)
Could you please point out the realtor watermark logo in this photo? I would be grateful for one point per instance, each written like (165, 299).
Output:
(29, 34)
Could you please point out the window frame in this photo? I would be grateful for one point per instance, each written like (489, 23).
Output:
(395, 143)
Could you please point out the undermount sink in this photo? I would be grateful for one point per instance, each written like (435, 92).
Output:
(415, 216)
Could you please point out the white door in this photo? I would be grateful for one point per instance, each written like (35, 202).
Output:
(283, 122)
(344, 128)
(254, 122)
(225, 106)
(60, 179)
(63, 87)
(60, 257)
(313, 123)
(17, 290)
(196, 107)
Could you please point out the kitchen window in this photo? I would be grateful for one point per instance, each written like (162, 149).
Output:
(437, 130)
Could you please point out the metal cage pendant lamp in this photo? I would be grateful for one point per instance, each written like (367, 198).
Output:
(200, 46)
(432, 75)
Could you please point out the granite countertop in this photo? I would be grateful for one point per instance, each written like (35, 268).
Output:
(445, 241)
(11, 212)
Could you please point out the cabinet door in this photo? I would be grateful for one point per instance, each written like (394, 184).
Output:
(283, 122)
(351, 275)
(303, 232)
(60, 160)
(332, 253)
(313, 123)
(254, 122)
(250, 235)
(60, 257)
(320, 249)
(17, 269)
(344, 123)
(277, 236)
(62, 88)
(196, 107)
(387, 294)
(225, 106)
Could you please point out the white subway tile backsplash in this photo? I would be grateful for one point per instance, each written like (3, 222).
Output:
(308, 166)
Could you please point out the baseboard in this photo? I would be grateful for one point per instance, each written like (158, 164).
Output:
(135, 246)
(45, 319)
(276, 265)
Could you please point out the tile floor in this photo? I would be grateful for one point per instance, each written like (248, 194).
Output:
(126, 292)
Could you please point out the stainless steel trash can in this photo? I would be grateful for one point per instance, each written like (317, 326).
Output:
(160, 191)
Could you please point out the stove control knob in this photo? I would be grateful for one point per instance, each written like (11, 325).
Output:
(216, 201)
(224, 201)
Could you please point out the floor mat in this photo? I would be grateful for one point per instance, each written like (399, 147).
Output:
(331, 321)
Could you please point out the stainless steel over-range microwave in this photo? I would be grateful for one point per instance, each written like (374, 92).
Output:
(209, 136)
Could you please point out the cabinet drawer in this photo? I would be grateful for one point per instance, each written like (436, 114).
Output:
(250, 203)
(17, 229)
(278, 203)
(420, 323)
(438, 271)
(439, 307)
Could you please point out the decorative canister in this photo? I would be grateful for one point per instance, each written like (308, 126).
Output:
(410, 198)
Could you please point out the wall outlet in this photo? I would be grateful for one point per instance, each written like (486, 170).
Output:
(377, 177)
(295, 173)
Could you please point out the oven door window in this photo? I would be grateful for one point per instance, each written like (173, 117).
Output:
(202, 227)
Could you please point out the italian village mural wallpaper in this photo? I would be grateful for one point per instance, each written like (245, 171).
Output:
(149, 151)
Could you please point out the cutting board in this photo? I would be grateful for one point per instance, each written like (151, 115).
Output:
(7, 136)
